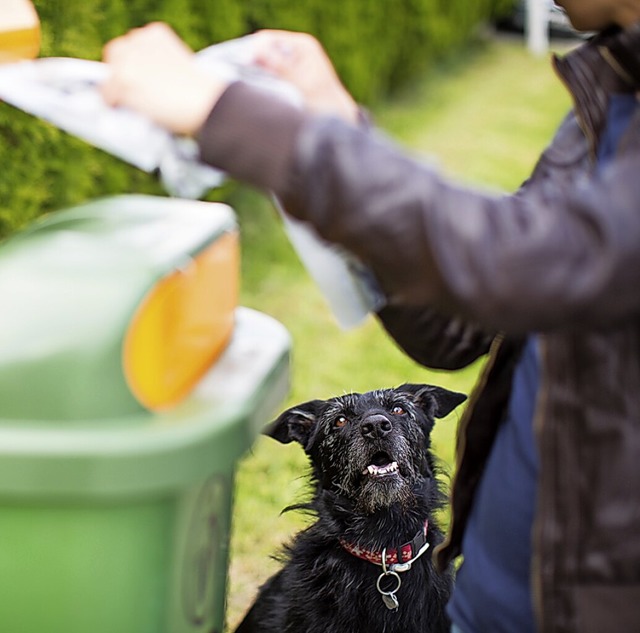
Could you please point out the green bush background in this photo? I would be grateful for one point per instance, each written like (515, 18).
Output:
(377, 46)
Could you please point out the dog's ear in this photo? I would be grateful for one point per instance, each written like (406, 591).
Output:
(295, 424)
(435, 401)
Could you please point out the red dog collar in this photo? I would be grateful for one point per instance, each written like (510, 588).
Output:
(408, 551)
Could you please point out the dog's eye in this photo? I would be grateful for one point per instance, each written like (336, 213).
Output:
(340, 421)
(397, 410)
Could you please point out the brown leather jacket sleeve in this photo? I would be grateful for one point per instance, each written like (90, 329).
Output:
(546, 258)
(434, 339)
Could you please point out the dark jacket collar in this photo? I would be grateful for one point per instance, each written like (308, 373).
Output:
(608, 63)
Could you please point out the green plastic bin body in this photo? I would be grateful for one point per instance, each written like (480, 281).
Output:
(123, 526)
(115, 518)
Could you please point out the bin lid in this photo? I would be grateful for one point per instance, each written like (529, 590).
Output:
(149, 453)
(73, 287)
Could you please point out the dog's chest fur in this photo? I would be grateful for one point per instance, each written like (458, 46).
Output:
(374, 489)
(329, 590)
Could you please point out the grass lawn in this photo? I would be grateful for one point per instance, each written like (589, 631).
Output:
(483, 118)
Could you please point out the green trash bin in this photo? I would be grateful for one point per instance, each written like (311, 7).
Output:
(114, 517)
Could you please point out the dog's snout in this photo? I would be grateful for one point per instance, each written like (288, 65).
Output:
(375, 426)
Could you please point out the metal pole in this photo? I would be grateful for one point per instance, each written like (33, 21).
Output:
(537, 27)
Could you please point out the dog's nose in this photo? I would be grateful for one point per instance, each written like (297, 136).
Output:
(375, 426)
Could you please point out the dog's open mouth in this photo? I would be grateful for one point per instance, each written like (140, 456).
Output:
(381, 466)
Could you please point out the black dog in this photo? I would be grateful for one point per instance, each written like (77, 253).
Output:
(365, 564)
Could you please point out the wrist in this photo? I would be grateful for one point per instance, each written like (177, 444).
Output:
(202, 99)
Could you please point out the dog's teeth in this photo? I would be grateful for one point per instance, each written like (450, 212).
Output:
(379, 471)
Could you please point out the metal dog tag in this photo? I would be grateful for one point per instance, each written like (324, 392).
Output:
(390, 601)
(389, 597)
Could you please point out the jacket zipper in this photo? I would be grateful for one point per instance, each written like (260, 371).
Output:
(462, 430)
(538, 527)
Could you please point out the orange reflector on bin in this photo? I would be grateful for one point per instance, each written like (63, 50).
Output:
(19, 31)
(183, 325)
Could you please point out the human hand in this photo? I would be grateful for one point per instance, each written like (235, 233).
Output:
(300, 59)
(154, 72)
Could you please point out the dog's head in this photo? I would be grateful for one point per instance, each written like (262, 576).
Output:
(372, 448)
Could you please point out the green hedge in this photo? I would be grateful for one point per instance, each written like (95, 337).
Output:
(377, 45)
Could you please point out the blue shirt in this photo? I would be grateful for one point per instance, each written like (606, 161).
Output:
(493, 589)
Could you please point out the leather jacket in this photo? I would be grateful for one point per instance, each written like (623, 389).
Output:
(560, 258)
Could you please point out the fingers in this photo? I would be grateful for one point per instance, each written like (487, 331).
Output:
(300, 59)
(155, 36)
(127, 53)
(277, 57)
(280, 51)
(154, 72)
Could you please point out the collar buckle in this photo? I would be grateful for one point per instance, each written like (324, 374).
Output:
(406, 566)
